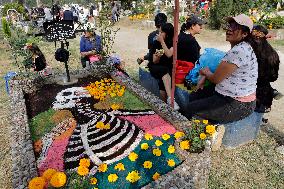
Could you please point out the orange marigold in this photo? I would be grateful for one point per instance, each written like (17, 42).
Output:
(58, 180)
(37, 183)
(83, 171)
(47, 174)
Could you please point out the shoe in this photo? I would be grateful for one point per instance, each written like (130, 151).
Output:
(277, 95)
(139, 61)
(176, 106)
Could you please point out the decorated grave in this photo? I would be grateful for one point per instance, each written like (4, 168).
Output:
(105, 131)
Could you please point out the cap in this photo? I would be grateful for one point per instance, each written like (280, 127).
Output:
(243, 20)
(194, 19)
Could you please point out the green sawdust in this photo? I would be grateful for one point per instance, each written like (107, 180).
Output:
(42, 124)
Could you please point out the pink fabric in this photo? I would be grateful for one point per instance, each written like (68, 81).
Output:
(152, 124)
(248, 98)
(55, 154)
(94, 58)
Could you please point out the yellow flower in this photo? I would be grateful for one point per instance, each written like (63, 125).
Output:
(100, 125)
(210, 129)
(184, 145)
(179, 134)
(157, 152)
(171, 149)
(148, 136)
(115, 106)
(85, 162)
(119, 167)
(47, 174)
(112, 178)
(58, 180)
(158, 143)
(37, 183)
(196, 121)
(133, 156)
(93, 181)
(107, 126)
(205, 121)
(147, 164)
(166, 136)
(82, 170)
(156, 176)
(102, 167)
(202, 136)
(171, 163)
(144, 146)
(133, 176)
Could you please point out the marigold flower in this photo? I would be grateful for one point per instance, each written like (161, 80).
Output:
(210, 129)
(115, 106)
(196, 121)
(144, 146)
(102, 168)
(119, 167)
(93, 181)
(166, 136)
(158, 143)
(85, 162)
(179, 135)
(100, 125)
(58, 180)
(112, 95)
(133, 156)
(107, 126)
(82, 170)
(171, 149)
(148, 136)
(47, 174)
(112, 178)
(202, 136)
(184, 145)
(147, 164)
(157, 152)
(37, 183)
(156, 176)
(133, 176)
(205, 121)
(171, 163)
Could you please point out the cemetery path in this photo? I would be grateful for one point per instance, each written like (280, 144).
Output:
(131, 43)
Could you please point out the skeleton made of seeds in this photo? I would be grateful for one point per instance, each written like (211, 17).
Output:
(88, 141)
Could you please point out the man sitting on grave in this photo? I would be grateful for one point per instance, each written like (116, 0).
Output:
(90, 46)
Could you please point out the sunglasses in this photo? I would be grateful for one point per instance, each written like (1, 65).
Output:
(233, 26)
(258, 34)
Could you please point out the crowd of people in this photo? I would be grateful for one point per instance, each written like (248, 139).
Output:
(241, 83)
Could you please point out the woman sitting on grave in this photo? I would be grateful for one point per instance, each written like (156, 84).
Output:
(90, 46)
(268, 66)
(161, 61)
(38, 61)
(234, 95)
(188, 48)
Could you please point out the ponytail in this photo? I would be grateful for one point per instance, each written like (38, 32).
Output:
(183, 28)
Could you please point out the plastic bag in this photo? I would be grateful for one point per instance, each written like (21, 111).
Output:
(210, 58)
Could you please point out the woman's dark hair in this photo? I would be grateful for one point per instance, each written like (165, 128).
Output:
(267, 57)
(168, 28)
(35, 49)
(160, 19)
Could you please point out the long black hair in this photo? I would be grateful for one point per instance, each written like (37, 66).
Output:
(35, 50)
(168, 28)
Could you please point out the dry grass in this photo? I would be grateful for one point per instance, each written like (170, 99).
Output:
(256, 165)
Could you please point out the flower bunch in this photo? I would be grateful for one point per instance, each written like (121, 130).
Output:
(83, 168)
(50, 176)
(194, 138)
(105, 88)
(100, 125)
(137, 17)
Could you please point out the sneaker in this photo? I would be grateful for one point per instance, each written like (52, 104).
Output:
(176, 106)
(139, 61)
(277, 95)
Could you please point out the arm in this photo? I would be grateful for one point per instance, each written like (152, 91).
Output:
(168, 51)
(224, 70)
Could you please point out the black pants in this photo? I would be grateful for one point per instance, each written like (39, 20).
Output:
(84, 60)
(217, 108)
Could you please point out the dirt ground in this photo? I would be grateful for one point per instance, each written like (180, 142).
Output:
(256, 165)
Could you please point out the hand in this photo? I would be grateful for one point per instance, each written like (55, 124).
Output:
(205, 71)
(201, 82)
(160, 38)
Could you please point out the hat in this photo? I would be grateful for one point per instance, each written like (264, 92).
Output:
(194, 19)
(243, 20)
